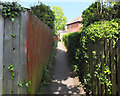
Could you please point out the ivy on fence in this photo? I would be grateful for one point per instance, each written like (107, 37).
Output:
(87, 56)
(10, 10)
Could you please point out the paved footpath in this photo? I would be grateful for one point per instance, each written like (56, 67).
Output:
(63, 81)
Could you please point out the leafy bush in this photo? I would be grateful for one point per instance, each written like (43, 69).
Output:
(116, 10)
(92, 13)
(77, 46)
(102, 29)
(44, 13)
(71, 42)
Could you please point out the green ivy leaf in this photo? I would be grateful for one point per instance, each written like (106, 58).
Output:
(29, 82)
(12, 69)
(26, 84)
(13, 74)
(25, 80)
(20, 84)
(12, 77)
(12, 19)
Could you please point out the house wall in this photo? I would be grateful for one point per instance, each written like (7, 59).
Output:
(73, 27)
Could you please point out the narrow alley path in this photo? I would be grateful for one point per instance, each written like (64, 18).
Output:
(63, 82)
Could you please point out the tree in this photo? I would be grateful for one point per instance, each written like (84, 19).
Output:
(60, 19)
(44, 13)
(100, 11)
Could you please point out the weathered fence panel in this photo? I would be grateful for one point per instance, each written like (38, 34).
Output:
(109, 54)
(1, 52)
(26, 44)
(118, 66)
(38, 49)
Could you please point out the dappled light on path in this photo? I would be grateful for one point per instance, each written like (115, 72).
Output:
(63, 80)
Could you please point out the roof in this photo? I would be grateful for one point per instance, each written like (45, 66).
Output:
(78, 19)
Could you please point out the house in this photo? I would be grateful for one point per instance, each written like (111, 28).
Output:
(74, 25)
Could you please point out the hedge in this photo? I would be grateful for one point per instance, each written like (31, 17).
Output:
(92, 13)
(77, 48)
(69, 41)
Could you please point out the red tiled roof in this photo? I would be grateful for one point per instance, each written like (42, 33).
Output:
(79, 18)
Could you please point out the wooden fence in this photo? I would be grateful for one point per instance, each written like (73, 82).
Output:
(25, 46)
(109, 54)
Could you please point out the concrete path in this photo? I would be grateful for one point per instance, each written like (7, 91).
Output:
(63, 81)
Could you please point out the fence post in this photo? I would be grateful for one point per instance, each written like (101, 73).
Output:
(1, 51)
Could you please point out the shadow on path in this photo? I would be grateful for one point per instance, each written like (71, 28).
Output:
(63, 80)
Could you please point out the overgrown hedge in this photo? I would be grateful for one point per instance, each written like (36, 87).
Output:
(77, 46)
(69, 41)
(92, 13)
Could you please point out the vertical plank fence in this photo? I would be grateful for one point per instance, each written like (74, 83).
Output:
(28, 52)
(1, 52)
(108, 54)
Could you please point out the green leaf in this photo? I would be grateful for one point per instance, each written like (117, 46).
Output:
(12, 77)
(20, 84)
(25, 80)
(12, 19)
(26, 84)
(12, 69)
(8, 67)
(29, 82)
(13, 35)
(13, 74)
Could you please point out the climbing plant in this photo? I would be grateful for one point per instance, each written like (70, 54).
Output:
(96, 32)
(25, 83)
(10, 10)
(11, 69)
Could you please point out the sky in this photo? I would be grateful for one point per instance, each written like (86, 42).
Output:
(72, 8)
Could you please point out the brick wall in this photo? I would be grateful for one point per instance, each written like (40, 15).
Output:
(73, 27)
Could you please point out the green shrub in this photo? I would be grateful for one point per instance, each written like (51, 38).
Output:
(71, 42)
(92, 13)
(77, 48)
(44, 13)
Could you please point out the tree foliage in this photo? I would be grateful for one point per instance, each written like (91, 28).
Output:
(60, 19)
(44, 13)
(98, 26)
(92, 13)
